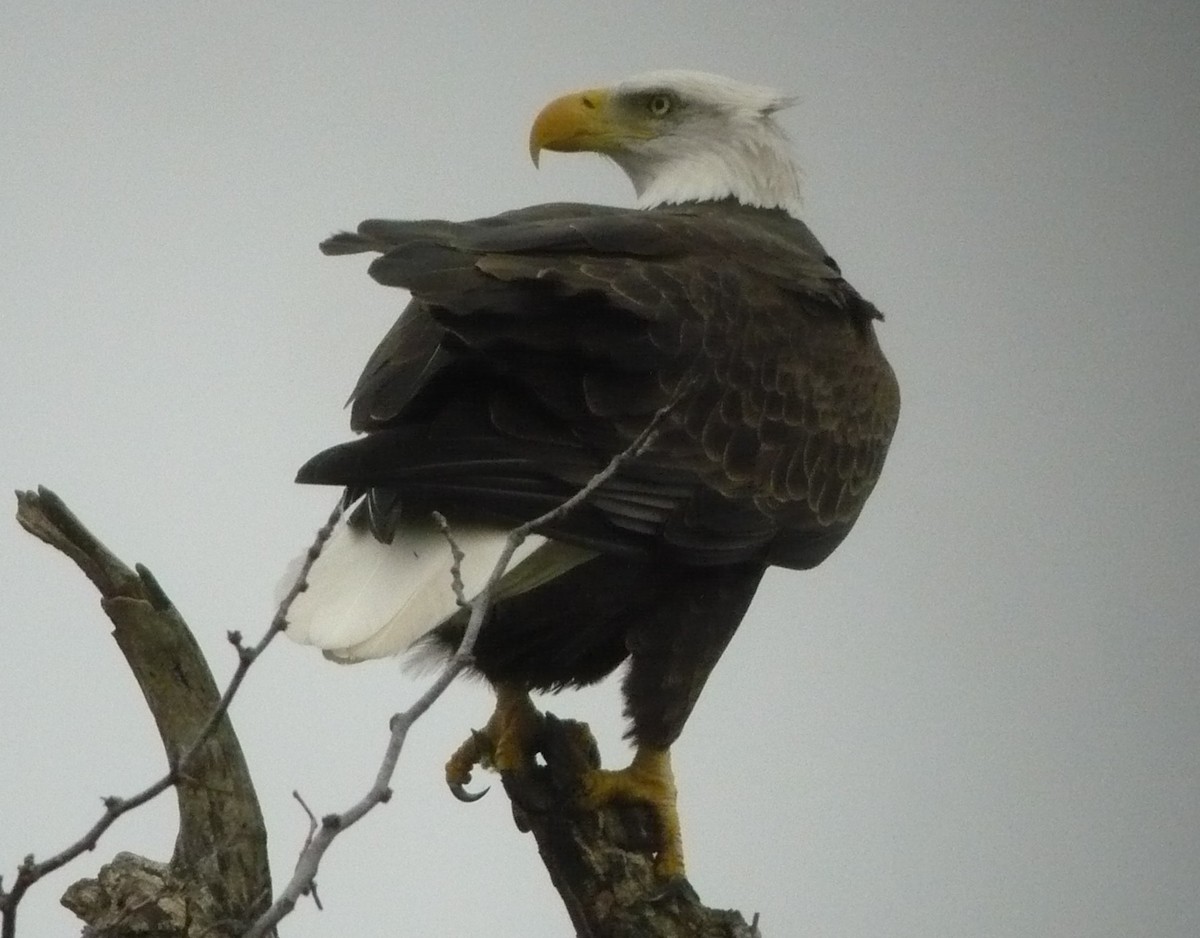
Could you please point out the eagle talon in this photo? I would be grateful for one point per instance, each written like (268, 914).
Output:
(649, 781)
(459, 791)
(505, 744)
(481, 745)
(476, 750)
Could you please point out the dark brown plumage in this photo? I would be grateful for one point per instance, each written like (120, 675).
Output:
(539, 343)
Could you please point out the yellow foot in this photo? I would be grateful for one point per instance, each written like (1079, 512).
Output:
(647, 780)
(506, 744)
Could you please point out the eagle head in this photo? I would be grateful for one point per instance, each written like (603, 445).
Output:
(680, 136)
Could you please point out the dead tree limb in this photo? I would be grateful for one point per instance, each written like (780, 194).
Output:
(597, 858)
(217, 879)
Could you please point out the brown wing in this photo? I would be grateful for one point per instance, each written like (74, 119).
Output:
(539, 343)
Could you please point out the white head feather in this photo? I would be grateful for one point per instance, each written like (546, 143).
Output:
(721, 142)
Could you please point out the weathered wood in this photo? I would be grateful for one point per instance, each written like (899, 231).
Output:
(597, 859)
(218, 879)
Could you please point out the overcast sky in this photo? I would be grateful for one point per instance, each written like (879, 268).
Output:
(981, 717)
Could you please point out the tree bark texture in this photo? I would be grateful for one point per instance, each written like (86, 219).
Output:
(597, 858)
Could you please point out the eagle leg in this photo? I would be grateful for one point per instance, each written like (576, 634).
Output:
(507, 743)
(647, 780)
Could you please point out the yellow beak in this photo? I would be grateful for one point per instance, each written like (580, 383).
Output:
(581, 120)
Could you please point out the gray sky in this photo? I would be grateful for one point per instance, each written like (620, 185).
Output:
(978, 718)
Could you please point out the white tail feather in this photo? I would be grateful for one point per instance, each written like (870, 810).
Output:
(366, 599)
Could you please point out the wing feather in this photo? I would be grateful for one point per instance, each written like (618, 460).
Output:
(540, 342)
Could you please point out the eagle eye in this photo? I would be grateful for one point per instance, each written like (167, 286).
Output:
(659, 104)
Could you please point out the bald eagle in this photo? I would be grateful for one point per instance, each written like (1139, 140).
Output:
(540, 343)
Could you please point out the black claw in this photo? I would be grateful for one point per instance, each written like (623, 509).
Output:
(459, 791)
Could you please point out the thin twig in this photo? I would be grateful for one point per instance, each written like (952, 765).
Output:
(312, 818)
(457, 557)
(30, 871)
(380, 791)
(312, 829)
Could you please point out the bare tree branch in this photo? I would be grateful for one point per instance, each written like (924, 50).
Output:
(312, 830)
(219, 867)
(457, 556)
